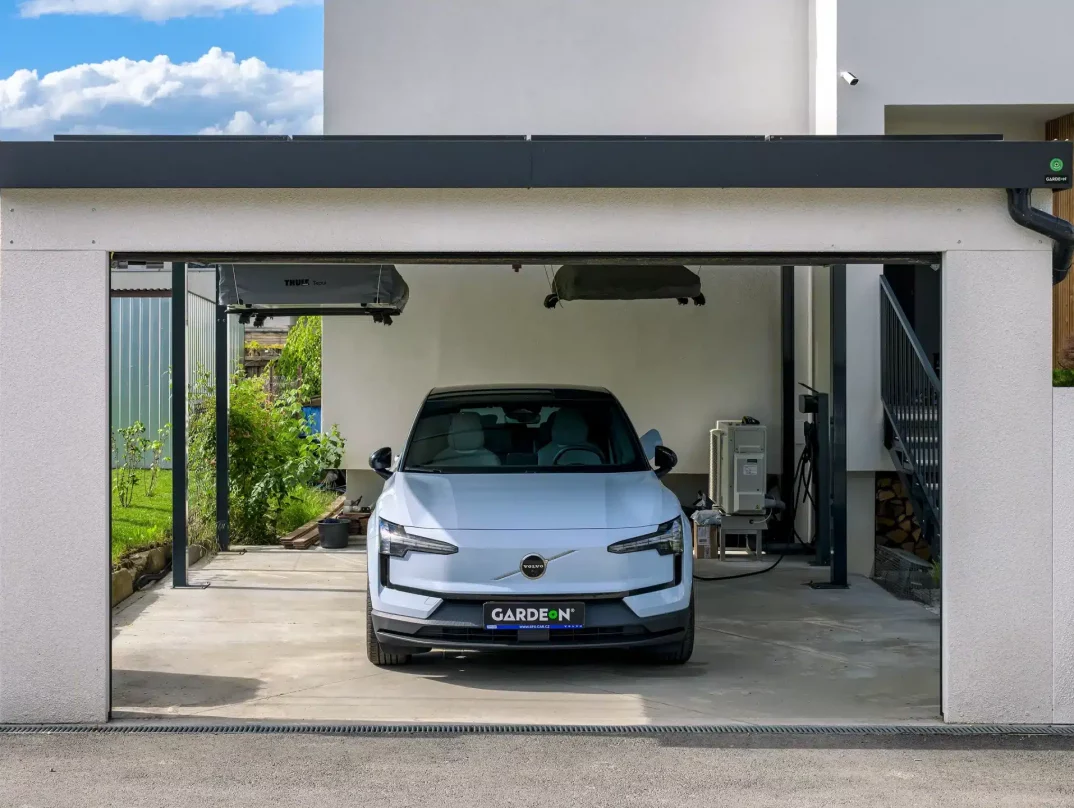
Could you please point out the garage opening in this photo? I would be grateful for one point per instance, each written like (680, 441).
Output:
(742, 377)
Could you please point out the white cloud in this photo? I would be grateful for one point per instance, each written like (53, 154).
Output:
(215, 94)
(157, 10)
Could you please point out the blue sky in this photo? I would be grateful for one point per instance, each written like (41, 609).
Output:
(242, 66)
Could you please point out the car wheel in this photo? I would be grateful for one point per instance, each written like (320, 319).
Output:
(678, 653)
(378, 654)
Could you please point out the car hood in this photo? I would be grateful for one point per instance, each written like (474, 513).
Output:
(558, 501)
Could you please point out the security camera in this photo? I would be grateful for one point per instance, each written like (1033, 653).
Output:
(849, 78)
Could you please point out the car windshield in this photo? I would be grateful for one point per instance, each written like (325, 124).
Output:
(553, 431)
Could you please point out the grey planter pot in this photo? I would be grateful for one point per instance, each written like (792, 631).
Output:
(334, 533)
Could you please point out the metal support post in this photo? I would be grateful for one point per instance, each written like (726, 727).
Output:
(837, 429)
(788, 392)
(179, 382)
(223, 387)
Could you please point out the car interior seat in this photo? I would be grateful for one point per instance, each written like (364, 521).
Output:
(466, 443)
(569, 429)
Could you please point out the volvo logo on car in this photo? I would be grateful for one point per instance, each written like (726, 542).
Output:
(533, 566)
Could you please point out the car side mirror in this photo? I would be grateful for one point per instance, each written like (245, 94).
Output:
(381, 462)
(666, 460)
(649, 441)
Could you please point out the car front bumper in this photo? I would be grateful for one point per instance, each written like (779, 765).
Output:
(458, 624)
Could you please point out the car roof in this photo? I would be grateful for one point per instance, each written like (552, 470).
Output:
(571, 390)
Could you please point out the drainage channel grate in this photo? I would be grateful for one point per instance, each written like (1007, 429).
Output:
(531, 729)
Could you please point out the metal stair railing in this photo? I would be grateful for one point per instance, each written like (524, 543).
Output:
(911, 394)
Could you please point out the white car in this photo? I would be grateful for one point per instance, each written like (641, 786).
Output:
(527, 518)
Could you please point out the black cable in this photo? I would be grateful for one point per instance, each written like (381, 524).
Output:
(740, 575)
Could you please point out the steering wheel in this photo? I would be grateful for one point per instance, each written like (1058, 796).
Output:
(590, 449)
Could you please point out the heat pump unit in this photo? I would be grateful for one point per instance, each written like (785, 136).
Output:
(737, 467)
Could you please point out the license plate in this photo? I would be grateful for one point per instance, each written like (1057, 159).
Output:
(522, 616)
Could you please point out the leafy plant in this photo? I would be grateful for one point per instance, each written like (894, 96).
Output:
(156, 450)
(1063, 377)
(127, 455)
(273, 457)
(300, 360)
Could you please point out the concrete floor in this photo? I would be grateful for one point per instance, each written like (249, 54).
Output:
(280, 635)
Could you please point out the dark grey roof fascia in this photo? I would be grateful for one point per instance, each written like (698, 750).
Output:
(541, 162)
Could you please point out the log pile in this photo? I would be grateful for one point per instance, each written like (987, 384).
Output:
(896, 523)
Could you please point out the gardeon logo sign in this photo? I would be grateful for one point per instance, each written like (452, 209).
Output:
(531, 614)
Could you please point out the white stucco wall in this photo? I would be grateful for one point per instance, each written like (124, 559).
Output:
(54, 602)
(674, 368)
(566, 67)
(1063, 554)
(997, 488)
(939, 52)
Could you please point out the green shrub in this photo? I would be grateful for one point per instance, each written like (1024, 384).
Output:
(273, 456)
(300, 360)
(1063, 378)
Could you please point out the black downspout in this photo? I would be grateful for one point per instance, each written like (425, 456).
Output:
(1060, 231)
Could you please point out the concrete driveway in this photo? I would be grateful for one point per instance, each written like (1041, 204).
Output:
(280, 635)
(749, 771)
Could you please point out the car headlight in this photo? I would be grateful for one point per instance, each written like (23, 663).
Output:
(666, 540)
(396, 542)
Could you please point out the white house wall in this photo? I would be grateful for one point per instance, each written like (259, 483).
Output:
(950, 52)
(675, 368)
(1063, 554)
(566, 67)
(54, 601)
(997, 489)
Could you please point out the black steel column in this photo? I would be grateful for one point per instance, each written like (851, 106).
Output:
(822, 419)
(839, 424)
(789, 388)
(179, 382)
(223, 386)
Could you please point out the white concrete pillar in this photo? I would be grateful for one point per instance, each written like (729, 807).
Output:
(997, 487)
(1063, 556)
(861, 522)
(55, 488)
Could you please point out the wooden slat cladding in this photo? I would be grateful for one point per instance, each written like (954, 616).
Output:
(1063, 293)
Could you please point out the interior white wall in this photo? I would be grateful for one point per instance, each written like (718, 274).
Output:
(674, 368)
(964, 52)
(54, 606)
(566, 67)
(997, 487)
(1063, 554)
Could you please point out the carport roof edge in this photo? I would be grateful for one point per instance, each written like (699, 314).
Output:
(217, 162)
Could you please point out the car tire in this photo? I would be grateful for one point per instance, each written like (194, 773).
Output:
(378, 654)
(678, 653)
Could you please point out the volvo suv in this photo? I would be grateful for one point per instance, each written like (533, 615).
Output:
(527, 518)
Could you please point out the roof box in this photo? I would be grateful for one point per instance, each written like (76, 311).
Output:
(625, 282)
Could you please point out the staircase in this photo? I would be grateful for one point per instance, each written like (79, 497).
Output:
(910, 390)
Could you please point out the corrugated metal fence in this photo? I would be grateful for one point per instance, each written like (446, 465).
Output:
(142, 357)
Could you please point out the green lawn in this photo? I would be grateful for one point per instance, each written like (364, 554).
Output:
(147, 521)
